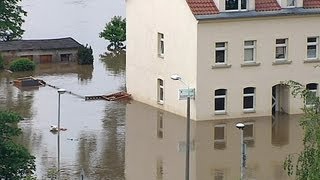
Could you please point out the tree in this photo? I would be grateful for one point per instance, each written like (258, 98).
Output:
(15, 161)
(115, 33)
(306, 164)
(85, 55)
(11, 19)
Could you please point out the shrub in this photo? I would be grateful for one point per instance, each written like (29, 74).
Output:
(85, 55)
(1, 62)
(22, 64)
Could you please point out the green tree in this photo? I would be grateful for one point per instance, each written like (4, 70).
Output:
(11, 19)
(1, 62)
(306, 164)
(85, 55)
(115, 33)
(22, 64)
(15, 161)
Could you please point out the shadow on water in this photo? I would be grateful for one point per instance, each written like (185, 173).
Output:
(115, 62)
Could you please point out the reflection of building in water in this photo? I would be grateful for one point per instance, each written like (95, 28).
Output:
(153, 137)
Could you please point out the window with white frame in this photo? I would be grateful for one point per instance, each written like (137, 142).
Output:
(160, 45)
(291, 3)
(235, 5)
(249, 99)
(160, 91)
(313, 88)
(220, 98)
(281, 49)
(221, 53)
(312, 47)
(249, 51)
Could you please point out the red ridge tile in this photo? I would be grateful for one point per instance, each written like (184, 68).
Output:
(311, 3)
(267, 5)
(203, 7)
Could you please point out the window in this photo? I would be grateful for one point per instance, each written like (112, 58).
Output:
(312, 47)
(248, 134)
(313, 88)
(236, 5)
(281, 49)
(249, 99)
(160, 125)
(249, 51)
(220, 100)
(291, 3)
(160, 91)
(160, 45)
(219, 136)
(221, 53)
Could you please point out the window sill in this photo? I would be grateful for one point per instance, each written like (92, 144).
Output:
(246, 111)
(281, 62)
(249, 64)
(161, 56)
(311, 61)
(160, 102)
(220, 113)
(219, 66)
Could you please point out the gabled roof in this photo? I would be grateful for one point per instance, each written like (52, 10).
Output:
(208, 7)
(40, 44)
(311, 3)
(202, 7)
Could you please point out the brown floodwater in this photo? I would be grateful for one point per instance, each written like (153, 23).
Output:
(116, 141)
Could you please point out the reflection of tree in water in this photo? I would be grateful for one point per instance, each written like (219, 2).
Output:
(114, 62)
(85, 73)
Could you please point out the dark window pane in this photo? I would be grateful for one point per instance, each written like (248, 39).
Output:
(243, 4)
(249, 90)
(220, 92)
(248, 102)
(312, 51)
(161, 94)
(232, 4)
(312, 86)
(160, 82)
(280, 52)
(219, 104)
(220, 56)
(312, 39)
(280, 41)
(221, 44)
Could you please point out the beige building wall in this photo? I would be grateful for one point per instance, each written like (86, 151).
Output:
(145, 19)
(265, 31)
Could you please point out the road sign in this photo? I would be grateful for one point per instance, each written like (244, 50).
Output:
(183, 93)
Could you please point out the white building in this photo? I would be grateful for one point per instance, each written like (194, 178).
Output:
(234, 53)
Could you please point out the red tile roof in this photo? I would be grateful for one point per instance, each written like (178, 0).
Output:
(267, 5)
(202, 7)
(311, 3)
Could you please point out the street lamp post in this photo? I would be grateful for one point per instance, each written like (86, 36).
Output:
(241, 126)
(60, 91)
(177, 77)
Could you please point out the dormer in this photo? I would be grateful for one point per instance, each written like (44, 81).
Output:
(234, 5)
(290, 3)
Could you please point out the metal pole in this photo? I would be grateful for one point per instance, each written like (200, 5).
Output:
(242, 155)
(188, 136)
(59, 137)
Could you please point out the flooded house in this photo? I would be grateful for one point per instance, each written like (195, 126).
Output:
(41, 50)
(233, 53)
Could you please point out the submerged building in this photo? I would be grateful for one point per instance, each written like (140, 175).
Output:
(234, 53)
(41, 50)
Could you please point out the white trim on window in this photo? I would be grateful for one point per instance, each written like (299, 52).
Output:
(311, 43)
(161, 45)
(239, 6)
(219, 47)
(222, 96)
(312, 89)
(291, 3)
(249, 94)
(160, 91)
(284, 47)
(250, 45)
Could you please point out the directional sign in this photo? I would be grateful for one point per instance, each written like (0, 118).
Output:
(183, 93)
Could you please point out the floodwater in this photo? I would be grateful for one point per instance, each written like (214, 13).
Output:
(114, 140)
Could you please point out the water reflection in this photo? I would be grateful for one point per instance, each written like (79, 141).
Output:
(114, 62)
(153, 137)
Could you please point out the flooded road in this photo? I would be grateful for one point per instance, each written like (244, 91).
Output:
(116, 141)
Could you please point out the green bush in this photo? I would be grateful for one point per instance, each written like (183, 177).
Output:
(1, 62)
(85, 55)
(22, 64)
